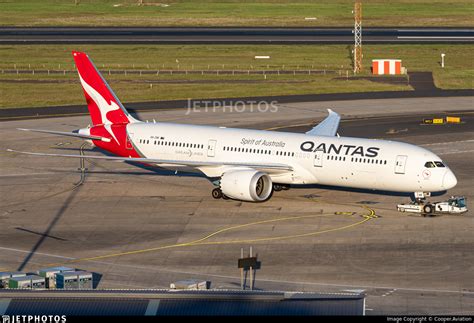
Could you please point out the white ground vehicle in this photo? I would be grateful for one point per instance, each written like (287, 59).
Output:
(455, 205)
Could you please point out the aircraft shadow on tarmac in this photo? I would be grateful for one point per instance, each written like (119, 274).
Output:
(47, 233)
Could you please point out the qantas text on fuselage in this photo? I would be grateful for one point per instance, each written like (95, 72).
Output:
(346, 150)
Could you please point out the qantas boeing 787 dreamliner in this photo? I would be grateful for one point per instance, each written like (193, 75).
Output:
(249, 164)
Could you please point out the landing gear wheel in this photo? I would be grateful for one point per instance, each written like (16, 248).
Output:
(428, 209)
(217, 193)
(286, 187)
(277, 187)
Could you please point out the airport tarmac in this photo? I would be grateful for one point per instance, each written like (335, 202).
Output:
(145, 229)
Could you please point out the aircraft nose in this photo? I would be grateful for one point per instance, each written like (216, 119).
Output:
(449, 180)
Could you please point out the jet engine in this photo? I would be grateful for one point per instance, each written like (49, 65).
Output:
(246, 185)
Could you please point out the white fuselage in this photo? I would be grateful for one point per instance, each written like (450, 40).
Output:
(336, 161)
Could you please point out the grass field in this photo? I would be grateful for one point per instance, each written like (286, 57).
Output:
(45, 94)
(42, 89)
(234, 13)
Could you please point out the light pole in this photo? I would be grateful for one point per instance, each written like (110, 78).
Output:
(442, 59)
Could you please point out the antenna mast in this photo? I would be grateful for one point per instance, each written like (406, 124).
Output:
(357, 37)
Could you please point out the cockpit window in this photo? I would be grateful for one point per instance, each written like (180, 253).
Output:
(439, 164)
(430, 165)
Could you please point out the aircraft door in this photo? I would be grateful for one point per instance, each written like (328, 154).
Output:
(211, 148)
(318, 158)
(128, 141)
(400, 164)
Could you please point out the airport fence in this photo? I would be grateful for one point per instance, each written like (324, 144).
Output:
(218, 69)
(182, 72)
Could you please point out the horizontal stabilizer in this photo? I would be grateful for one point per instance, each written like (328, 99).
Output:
(68, 134)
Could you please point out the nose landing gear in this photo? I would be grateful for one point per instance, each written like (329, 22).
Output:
(419, 205)
(420, 197)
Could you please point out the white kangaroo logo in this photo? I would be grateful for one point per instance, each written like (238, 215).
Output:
(103, 106)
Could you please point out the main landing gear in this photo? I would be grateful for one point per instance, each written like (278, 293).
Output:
(217, 194)
(280, 187)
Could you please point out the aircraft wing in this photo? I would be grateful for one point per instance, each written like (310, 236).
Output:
(327, 127)
(268, 167)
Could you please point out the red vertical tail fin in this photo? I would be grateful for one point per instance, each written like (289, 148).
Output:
(104, 106)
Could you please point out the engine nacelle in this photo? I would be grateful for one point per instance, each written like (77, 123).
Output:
(246, 185)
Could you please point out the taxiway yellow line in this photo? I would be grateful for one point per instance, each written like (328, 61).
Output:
(367, 218)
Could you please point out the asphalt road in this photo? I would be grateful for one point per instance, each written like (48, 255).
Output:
(252, 35)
